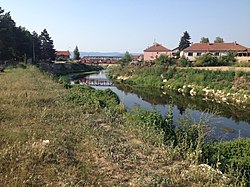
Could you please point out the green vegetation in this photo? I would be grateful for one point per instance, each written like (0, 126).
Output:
(230, 157)
(54, 136)
(204, 40)
(218, 40)
(185, 41)
(76, 54)
(18, 44)
(211, 60)
(125, 59)
(229, 86)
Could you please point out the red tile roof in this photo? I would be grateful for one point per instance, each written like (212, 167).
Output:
(248, 50)
(62, 53)
(206, 47)
(157, 48)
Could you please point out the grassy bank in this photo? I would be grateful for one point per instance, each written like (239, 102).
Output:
(221, 86)
(54, 136)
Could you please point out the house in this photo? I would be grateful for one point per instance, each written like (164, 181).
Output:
(217, 49)
(62, 55)
(155, 51)
(137, 58)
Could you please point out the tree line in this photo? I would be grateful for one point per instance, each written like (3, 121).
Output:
(18, 44)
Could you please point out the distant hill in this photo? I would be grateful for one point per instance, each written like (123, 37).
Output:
(101, 54)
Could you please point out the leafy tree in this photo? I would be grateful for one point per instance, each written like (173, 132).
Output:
(164, 60)
(76, 54)
(47, 46)
(185, 41)
(183, 62)
(206, 60)
(218, 40)
(228, 59)
(126, 59)
(204, 40)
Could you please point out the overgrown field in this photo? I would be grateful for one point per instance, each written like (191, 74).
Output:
(52, 136)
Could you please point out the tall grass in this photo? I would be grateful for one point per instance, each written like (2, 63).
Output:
(52, 136)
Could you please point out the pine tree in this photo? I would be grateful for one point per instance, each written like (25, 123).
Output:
(47, 46)
(76, 54)
(184, 42)
(36, 47)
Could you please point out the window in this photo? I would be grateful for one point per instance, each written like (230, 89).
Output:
(217, 54)
(190, 54)
(198, 54)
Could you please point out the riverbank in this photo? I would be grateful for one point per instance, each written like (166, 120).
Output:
(72, 69)
(230, 87)
(80, 136)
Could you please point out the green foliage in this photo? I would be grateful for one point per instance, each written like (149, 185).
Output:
(227, 60)
(76, 54)
(126, 59)
(231, 156)
(164, 60)
(94, 99)
(206, 60)
(187, 136)
(47, 46)
(242, 64)
(211, 60)
(218, 40)
(183, 62)
(204, 40)
(185, 41)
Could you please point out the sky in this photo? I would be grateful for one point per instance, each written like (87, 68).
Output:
(131, 25)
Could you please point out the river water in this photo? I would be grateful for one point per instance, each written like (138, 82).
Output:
(226, 121)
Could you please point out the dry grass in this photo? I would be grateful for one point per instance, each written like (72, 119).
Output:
(46, 141)
(224, 68)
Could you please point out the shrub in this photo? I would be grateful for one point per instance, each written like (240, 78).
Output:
(231, 156)
(183, 62)
(206, 60)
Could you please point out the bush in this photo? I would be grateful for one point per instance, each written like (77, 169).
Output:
(206, 60)
(183, 62)
(231, 156)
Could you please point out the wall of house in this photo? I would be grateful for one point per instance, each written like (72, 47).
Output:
(197, 54)
(243, 59)
(150, 56)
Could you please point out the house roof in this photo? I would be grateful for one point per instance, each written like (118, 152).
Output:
(62, 53)
(157, 48)
(248, 50)
(206, 47)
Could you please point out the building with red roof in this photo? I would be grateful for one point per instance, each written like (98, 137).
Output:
(62, 55)
(155, 51)
(217, 49)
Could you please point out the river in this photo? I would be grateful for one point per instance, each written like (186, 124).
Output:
(226, 121)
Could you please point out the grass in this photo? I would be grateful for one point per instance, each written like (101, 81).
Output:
(48, 138)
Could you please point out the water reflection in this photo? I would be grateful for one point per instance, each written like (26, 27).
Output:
(228, 122)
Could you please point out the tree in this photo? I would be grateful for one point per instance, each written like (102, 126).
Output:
(218, 40)
(7, 36)
(164, 60)
(36, 47)
(47, 46)
(204, 40)
(76, 54)
(126, 59)
(184, 42)
(183, 62)
(228, 59)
